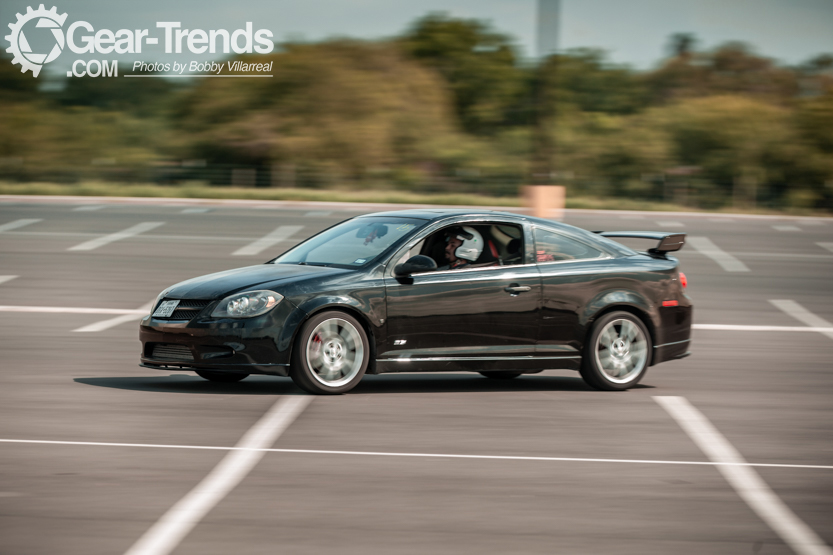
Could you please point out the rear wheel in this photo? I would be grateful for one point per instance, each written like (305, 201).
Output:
(617, 354)
(221, 377)
(331, 354)
(502, 374)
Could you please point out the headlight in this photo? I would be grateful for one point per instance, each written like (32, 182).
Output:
(248, 304)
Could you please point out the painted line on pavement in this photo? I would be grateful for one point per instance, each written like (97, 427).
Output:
(113, 322)
(18, 223)
(786, 228)
(783, 255)
(89, 208)
(746, 482)
(210, 238)
(828, 246)
(417, 455)
(195, 210)
(69, 310)
(282, 233)
(664, 223)
(164, 536)
(730, 327)
(118, 236)
(802, 314)
(726, 261)
(4, 279)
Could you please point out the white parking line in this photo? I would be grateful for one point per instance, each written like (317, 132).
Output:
(828, 246)
(69, 310)
(195, 210)
(663, 223)
(415, 455)
(113, 322)
(746, 482)
(118, 236)
(17, 223)
(282, 233)
(88, 208)
(729, 327)
(4, 279)
(786, 228)
(164, 536)
(803, 315)
(704, 245)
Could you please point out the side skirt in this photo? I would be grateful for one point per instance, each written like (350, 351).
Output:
(476, 364)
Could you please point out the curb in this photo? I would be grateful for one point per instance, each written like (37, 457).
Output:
(363, 206)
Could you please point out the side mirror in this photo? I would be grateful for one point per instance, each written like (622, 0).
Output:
(415, 265)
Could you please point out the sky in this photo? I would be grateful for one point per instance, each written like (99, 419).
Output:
(634, 32)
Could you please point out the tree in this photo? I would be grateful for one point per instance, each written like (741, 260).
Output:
(479, 65)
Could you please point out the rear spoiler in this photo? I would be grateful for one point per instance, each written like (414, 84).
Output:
(668, 242)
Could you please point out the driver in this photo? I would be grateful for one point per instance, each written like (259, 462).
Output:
(464, 245)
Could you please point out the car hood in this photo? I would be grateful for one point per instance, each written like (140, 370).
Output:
(221, 284)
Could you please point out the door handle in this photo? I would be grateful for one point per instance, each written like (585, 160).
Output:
(515, 289)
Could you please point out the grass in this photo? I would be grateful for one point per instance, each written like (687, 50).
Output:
(203, 191)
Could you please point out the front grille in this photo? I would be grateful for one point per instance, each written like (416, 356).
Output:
(172, 352)
(187, 309)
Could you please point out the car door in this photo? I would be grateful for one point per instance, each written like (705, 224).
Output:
(482, 312)
(572, 272)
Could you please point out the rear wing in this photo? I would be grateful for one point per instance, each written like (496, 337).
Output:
(668, 242)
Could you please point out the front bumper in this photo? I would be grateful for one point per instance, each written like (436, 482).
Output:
(260, 345)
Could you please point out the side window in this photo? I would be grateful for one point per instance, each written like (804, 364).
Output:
(552, 247)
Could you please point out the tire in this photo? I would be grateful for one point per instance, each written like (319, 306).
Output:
(331, 354)
(501, 374)
(618, 352)
(220, 377)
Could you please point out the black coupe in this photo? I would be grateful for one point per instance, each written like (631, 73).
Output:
(432, 290)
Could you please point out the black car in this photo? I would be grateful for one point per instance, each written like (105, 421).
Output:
(432, 290)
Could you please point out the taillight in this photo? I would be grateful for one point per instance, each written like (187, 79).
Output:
(683, 280)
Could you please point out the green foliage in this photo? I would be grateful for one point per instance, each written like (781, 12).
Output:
(446, 109)
(479, 65)
(582, 77)
(348, 105)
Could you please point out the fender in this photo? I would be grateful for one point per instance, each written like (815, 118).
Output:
(618, 297)
(316, 304)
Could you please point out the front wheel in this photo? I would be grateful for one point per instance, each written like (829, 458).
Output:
(331, 354)
(617, 354)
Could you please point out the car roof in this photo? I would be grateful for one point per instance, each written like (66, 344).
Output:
(435, 214)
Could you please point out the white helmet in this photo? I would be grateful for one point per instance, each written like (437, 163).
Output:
(472, 243)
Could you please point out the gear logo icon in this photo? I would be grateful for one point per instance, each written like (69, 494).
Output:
(19, 46)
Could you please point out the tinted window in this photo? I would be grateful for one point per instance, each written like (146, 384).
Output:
(552, 247)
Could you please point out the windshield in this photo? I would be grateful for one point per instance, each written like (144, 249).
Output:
(351, 244)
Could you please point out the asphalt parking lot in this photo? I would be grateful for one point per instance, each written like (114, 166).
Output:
(727, 451)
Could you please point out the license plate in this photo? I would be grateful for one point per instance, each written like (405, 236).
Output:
(165, 309)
